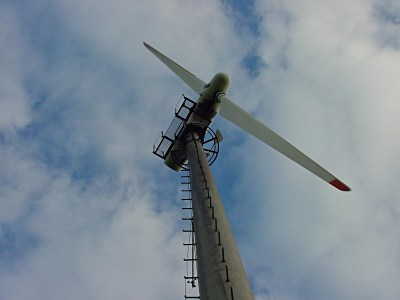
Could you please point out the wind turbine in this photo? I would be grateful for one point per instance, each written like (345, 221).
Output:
(220, 270)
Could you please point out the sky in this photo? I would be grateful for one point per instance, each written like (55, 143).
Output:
(88, 212)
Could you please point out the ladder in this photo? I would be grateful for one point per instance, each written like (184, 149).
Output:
(191, 285)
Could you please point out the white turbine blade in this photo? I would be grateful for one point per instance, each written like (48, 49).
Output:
(247, 122)
(195, 83)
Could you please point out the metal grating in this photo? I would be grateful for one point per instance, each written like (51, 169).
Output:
(165, 141)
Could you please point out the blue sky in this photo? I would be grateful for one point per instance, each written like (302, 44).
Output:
(88, 212)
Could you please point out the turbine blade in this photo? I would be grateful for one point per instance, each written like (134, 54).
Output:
(248, 123)
(195, 83)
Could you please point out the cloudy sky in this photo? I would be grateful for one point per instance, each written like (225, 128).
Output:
(88, 212)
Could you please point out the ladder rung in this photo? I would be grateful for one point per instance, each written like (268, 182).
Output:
(186, 190)
(186, 199)
(189, 244)
(189, 259)
(190, 277)
(190, 230)
(192, 297)
(187, 219)
(186, 208)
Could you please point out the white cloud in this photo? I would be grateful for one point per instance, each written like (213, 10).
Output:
(89, 213)
(334, 95)
(14, 106)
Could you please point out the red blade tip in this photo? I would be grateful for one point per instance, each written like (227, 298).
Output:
(340, 185)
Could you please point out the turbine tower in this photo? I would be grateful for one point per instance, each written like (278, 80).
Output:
(221, 274)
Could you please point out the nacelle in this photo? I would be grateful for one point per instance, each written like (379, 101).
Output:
(207, 104)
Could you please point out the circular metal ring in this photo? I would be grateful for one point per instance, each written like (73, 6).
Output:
(210, 144)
